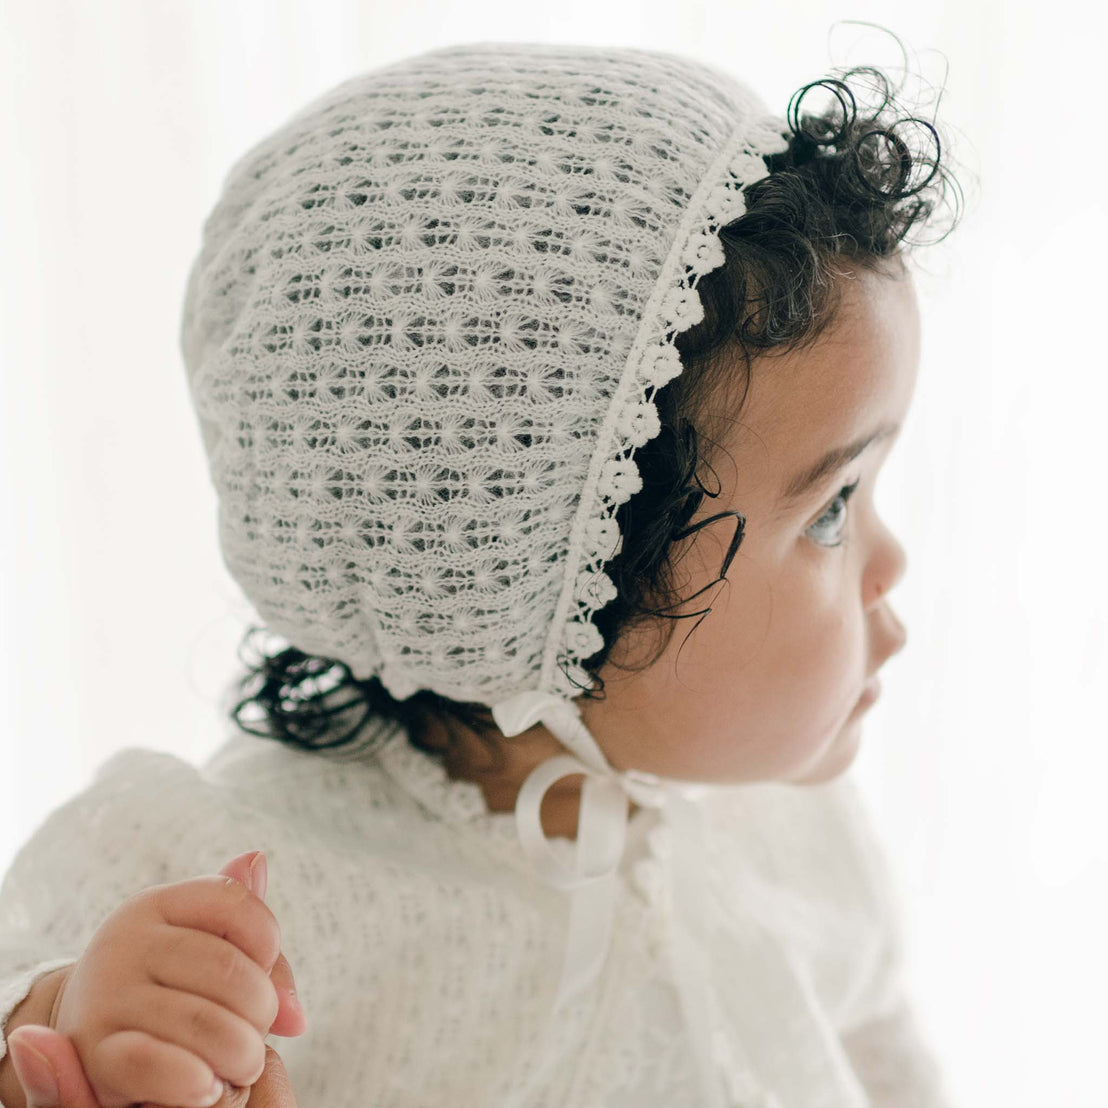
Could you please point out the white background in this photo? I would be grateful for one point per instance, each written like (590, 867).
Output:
(984, 759)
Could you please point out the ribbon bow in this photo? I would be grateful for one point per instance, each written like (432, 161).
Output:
(601, 836)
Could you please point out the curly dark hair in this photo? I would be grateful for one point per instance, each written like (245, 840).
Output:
(844, 189)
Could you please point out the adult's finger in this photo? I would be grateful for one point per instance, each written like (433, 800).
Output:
(273, 1089)
(72, 1087)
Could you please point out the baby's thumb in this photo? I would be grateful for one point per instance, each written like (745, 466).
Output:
(250, 869)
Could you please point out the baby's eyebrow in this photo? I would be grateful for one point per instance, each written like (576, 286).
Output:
(830, 462)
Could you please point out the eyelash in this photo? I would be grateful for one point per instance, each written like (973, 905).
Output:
(845, 493)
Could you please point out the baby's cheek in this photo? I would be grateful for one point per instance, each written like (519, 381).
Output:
(838, 670)
(820, 670)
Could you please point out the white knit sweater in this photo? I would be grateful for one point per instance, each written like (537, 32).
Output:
(426, 952)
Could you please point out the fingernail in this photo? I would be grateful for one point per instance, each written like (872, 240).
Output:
(34, 1073)
(215, 1094)
(259, 875)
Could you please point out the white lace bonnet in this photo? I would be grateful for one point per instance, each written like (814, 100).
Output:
(422, 336)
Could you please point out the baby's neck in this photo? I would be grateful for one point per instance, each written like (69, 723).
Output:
(501, 775)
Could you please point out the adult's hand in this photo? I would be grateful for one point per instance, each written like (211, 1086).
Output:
(65, 1085)
(71, 1089)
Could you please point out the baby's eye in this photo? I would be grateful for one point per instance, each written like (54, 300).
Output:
(834, 517)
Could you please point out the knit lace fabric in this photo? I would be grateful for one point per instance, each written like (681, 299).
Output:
(425, 950)
(649, 1063)
(423, 337)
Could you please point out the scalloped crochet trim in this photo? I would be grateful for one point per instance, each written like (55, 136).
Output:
(445, 796)
(632, 419)
(459, 801)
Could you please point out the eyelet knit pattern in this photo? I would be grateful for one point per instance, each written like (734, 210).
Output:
(423, 336)
(426, 951)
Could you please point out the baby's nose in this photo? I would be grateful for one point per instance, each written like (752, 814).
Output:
(890, 634)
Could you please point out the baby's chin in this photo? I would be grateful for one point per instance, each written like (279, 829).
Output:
(837, 757)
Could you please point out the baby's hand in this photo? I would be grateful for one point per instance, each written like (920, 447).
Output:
(173, 992)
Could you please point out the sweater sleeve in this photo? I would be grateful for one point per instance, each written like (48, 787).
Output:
(880, 1033)
(894, 1063)
(128, 830)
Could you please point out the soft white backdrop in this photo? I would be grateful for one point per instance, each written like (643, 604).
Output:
(985, 758)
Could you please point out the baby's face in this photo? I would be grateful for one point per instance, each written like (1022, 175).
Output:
(768, 687)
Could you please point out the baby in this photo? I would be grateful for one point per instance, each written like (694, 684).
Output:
(452, 336)
(180, 984)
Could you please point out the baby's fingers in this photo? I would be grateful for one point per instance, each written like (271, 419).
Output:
(155, 1071)
(221, 1040)
(199, 963)
(250, 869)
(291, 1020)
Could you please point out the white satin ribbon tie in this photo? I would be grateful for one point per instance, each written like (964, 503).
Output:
(601, 836)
